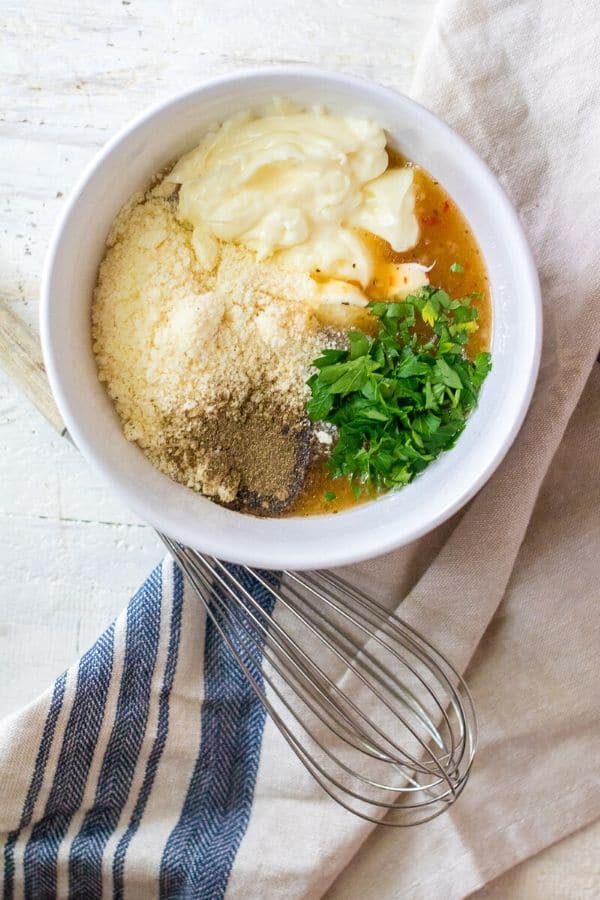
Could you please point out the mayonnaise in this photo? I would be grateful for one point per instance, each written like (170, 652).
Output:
(298, 187)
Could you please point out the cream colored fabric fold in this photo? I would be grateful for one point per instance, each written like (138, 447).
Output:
(513, 592)
(535, 678)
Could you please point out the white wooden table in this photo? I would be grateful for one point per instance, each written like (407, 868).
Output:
(71, 73)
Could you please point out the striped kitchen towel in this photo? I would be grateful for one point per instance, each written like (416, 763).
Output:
(135, 774)
(150, 770)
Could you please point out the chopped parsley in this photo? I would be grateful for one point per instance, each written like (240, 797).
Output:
(329, 496)
(456, 267)
(401, 398)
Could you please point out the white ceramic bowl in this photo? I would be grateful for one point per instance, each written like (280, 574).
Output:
(126, 164)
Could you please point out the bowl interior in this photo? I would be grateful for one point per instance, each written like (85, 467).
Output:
(160, 137)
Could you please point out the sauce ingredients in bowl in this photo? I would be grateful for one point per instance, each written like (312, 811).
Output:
(285, 250)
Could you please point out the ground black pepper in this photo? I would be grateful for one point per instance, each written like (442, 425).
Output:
(258, 451)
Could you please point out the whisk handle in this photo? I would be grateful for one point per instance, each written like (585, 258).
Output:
(21, 359)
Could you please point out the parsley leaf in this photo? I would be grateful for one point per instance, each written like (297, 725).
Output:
(345, 377)
(359, 344)
(447, 374)
(320, 403)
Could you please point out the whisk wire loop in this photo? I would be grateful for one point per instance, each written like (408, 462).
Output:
(390, 624)
(351, 667)
(405, 695)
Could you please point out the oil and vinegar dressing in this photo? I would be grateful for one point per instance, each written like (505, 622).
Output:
(445, 239)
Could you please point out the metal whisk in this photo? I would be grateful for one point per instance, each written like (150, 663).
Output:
(377, 715)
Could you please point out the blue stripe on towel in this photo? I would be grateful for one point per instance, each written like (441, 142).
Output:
(75, 757)
(161, 735)
(202, 847)
(37, 778)
(125, 741)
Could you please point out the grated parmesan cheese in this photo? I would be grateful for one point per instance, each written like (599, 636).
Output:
(174, 342)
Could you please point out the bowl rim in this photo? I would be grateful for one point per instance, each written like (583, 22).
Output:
(321, 557)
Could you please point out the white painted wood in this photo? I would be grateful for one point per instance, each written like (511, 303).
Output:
(71, 73)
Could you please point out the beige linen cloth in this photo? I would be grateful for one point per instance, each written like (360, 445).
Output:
(511, 588)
